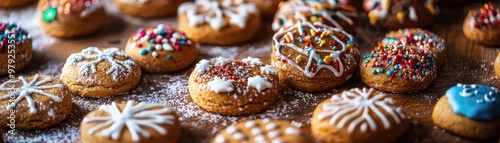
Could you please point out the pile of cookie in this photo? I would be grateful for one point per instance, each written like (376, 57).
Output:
(313, 50)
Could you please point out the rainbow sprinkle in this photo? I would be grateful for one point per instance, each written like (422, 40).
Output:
(159, 38)
(486, 16)
(6, 30)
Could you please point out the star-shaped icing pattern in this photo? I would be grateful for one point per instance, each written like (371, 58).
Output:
(258, 82)
(219, 85)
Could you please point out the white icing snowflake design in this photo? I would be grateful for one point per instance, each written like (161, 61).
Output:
(32, 87)
(134, 118)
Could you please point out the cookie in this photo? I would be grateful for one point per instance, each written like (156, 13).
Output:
(14, 3)
(483, 25)
(266, 7)
(224, 22)
(233, 87)
(260, 131)
(99, 73)
(138, 122)
(35, 102)
(398, 68)
(314, 57)
(398, 14)
(68, 19)
(469, 110)
(148, 8)
(15, 49)
(358, 115)
(497, 65)
(161, 49)
(332, 13)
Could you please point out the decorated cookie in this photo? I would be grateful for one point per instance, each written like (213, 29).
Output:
(261, 131)
(483, 25)
(314, 57)
(358, 115)
(469, 110)
(496, 64)
(35, 102)
(397, 14)
(223, 22)
(148, 8)
(161, 49)
(14, 3)
(233, 87)
(137, 122)
(267, 7)
(100, 73)
(71, 18)
(15, 49)
(332, 13)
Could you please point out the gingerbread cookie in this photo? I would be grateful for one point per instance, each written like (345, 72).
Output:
(470, 110)
(358, 115)
(260, 131)
(35, 102)
(14, 3)
(68, 19)
(99, 73)
(223, 22)
(398, 14)
(15, 48)
(267, 7)
(314, 57)
(497, 65)
(131, 122)
(233, 87)
(483, 25)
(149, 8)
(161, 49)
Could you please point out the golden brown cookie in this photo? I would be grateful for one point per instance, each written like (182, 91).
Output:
(14, 3)
(314, 57)
(357, 116)
(233, 87)
(99, 73)
(470, 110)
(35, 102)
(15, 49)
(148, 8)
(261, 131)
(161, 49)
(223, 22)
(497, 65)
(398, 14)
(267, 7)
(68, 19)
(131, 122)
(483, 25)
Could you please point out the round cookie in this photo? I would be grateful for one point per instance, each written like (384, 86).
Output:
(267, 7)
(223, 22)
(483, 25)
(99, 73)
(161, 49)
(358, 115)
(15, 49)
(131, 122)
(314, 57)
(470, 110)
(14, 3)
(398, 68)
(497, 65)
(68, 19)
(35, 102)
(398, 14)
(233, 87)
(148, 8)
(261, 131)
(332, 13)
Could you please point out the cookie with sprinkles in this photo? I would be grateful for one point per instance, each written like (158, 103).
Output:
(469, 110)
(99, 73)
(34, 102)
(482, 25)
(71, 18)
(262, 131)
(149, 8)
(161, 49)
(233, 87)
(398, 14)
(14, 3)
(314, 57)
(14, 41)
(358, 115)
(219, 22)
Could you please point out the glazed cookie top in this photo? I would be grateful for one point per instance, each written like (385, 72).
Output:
(380, 9)
(313, 47)
(10, 31)
(159, 38)
(218, 13)
(138, 118)
(361, 110)
(264, 130)
(52, 9)
(487, 16)
(474, 101)
(420, 38)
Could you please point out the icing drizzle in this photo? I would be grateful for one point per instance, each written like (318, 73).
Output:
(475, 101)
(265, 130)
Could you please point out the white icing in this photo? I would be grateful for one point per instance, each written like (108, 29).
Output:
(271, 126)
(278, 140)
(268, 69)
(292, 131)
(413, 14)
(250, 124)
(258, 82)
(220, 139)
(203, 65)
(231, 129)
(273, 134)
(256, 131)
(219, 85)
(252, 61)
(239, 136)
(220, 61)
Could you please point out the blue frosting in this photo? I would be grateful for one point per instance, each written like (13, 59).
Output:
(474, 101)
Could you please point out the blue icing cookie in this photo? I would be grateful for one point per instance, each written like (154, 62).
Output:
(475, 101)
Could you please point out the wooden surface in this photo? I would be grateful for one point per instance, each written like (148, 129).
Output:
(467, 62)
